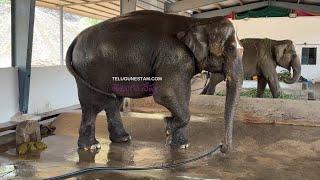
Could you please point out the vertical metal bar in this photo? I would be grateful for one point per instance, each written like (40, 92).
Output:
(13, 30)
(22, 37)
(61, 36)
(127, 6)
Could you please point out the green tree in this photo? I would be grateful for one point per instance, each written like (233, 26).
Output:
(4, 1)
(92, 21)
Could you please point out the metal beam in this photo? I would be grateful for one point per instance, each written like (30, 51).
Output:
(147, 4)
(61, 35)
(187, 5)
(22, 21)
(85, 3)
(70, 10)
(127, 6)
(305, 7)
(236, 9)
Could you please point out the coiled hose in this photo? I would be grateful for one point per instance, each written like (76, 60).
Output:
(164, 166)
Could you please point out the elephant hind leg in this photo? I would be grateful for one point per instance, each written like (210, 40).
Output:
(87, 138)
(215, 78)
(91, 105)
(271, 76)
(117, 133)
(262, 83)
(273, 83)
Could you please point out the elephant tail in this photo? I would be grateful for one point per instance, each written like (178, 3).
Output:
(71, 69)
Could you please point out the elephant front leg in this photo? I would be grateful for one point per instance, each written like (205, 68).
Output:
(176, 132)
(176, 100)
(87, 140)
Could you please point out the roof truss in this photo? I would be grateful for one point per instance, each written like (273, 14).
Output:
(305, 7)
(236, 7)
(98, 9)
(187, 5)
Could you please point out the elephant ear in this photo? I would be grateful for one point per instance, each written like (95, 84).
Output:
(279, 51)
(196, 39)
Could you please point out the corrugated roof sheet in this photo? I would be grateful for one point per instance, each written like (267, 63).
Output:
(99, 9)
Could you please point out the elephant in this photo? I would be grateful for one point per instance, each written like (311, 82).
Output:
(118, 51)
(260, 58)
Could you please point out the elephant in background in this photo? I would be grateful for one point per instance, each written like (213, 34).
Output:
(152, 44)
(260, 58)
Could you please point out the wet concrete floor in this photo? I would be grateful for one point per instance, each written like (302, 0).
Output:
(260, 151)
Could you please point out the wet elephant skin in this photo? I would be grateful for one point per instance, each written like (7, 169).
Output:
(152, 44)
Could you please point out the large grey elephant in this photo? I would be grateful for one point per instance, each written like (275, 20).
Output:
(260, 58)
(152, 44)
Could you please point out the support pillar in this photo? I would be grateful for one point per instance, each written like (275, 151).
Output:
(22, 21)
(127, 6)
(61, 36)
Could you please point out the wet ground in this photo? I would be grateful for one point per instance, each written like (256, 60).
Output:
(261, 151)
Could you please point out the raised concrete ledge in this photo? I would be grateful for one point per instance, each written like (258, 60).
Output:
(7, 130)
(7, 137)
(251, 110)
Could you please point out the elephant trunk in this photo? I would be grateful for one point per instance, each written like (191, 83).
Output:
(234, 78)
(296, 67)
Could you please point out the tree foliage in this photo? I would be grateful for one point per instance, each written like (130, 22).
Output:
(4, 1)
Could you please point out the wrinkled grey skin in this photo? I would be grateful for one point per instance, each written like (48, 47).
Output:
(150, 43)
(260, 58)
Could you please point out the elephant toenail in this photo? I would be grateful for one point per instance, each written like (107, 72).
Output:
(168, 133)
(185, 146)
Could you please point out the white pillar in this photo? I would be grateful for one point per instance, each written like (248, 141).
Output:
(127, 6)
(61, 36)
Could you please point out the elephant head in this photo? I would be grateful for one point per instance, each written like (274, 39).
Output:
(287, 58)
(216, 48)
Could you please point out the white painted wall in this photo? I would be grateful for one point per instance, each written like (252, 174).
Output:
(300, 30)
(51, 88)
(9, 96)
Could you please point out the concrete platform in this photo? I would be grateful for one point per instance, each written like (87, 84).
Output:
(261, 151)
(249, 110)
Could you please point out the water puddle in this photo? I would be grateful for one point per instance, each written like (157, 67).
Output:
(161, 116)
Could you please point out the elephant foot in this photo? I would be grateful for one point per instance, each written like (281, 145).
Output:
(203, 92)
(185, 146)
(178, 140)
(176, 137)
(225, 149)
(119, 138)
(93, 147)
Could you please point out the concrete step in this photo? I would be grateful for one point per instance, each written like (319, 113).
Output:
(7, 137)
